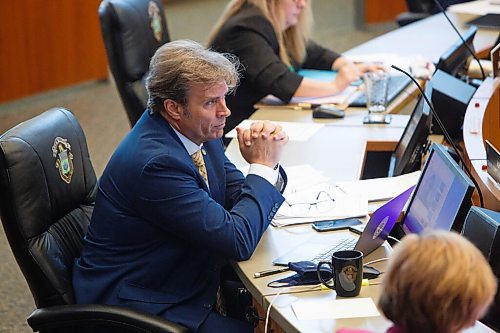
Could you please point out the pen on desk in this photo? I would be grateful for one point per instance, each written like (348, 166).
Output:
(270, 272)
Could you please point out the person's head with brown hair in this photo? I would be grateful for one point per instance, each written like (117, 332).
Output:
(291, 19)
(178, 65)
(187, 85)
(436, 282)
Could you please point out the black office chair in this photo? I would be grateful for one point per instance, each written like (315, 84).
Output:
(47, 191)
(417, 10)
(132, 31)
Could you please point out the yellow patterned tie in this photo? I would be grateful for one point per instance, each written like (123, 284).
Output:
(198, 161)
(200, 164)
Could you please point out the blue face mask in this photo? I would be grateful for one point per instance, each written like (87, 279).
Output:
(305, 275)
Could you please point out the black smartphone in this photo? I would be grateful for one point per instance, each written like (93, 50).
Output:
(357, 229)
(335, 224)
(328, 111)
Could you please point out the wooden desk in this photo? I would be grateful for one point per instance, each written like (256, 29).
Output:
(482, 122)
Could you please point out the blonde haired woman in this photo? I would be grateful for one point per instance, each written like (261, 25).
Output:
(437, 282)
(272, 40)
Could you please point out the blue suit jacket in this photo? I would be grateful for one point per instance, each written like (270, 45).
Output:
(158, 235)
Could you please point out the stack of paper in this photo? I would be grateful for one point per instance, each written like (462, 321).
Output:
(303, 205)
(321, 202)
(380, 188)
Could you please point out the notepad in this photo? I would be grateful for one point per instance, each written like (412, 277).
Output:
(323, 75)
(320, 75)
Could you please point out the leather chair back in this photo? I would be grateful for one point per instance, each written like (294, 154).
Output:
(132, 31)
(417, 10)
(47, 191)
(420, 6)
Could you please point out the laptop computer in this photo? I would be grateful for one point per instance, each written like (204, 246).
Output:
(374, 235)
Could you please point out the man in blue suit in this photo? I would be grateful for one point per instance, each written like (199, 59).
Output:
(163, 223)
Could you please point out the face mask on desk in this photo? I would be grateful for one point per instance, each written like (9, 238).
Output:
(305, 275)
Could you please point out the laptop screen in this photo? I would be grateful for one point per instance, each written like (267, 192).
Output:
(381, 223)
(442, 196)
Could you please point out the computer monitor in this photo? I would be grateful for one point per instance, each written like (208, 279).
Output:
(454, 60)
(442, 197)
(407, 156)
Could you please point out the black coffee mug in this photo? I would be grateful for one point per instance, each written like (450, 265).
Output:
(347, 271)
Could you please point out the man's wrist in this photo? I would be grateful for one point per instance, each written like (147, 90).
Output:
(268, 173)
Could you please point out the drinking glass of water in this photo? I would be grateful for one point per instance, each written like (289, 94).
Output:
(376, 83)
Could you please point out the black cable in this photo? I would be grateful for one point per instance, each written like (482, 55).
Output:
(461, 38)
(445, 132)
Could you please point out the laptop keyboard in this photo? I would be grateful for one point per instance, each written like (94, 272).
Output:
(397, 83)
(347, 243)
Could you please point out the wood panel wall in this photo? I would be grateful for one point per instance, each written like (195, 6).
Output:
(383, 10)
(49, 44)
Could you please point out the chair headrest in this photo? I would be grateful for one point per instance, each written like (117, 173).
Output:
(138, 28)
(47, 161)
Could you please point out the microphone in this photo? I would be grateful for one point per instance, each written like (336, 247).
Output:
(445, 132)
(442, 10)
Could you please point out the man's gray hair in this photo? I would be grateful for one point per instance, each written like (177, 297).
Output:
(177, 65)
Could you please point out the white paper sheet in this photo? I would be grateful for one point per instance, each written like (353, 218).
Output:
(341, 98)
(295, 131)
(340, 308)
(480, 7)
(380, 188)
(302, 177)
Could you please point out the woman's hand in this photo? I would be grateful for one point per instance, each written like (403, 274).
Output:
(354, 71)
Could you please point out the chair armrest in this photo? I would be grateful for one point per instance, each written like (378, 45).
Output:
(81, 315)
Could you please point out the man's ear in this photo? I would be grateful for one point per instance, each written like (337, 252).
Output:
(172, 108)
